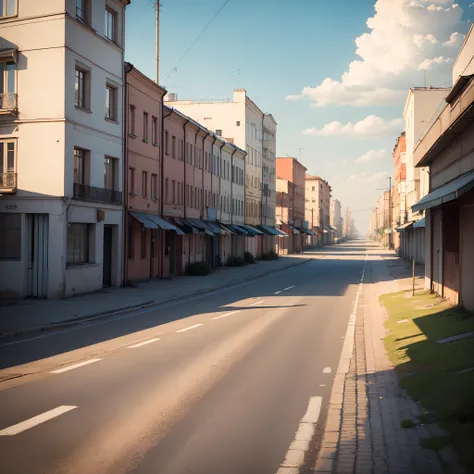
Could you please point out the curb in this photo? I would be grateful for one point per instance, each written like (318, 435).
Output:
(146, 304)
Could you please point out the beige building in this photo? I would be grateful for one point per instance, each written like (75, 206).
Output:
(447, 148)
(318, 206)
(335, 218)
(61, 129)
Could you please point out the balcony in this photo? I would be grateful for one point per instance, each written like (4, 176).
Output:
(91, 193)
(9, 103)
(8, 183)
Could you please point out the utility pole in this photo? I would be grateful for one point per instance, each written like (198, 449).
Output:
(157, 31)
(390, 211)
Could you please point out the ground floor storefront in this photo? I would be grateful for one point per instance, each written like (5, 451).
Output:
(50, 248)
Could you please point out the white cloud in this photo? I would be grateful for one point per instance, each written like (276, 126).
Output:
(371, 155)
(364, 177)
(371, 126)
(405, 38)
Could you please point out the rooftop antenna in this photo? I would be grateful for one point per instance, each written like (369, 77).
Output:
(238, 78)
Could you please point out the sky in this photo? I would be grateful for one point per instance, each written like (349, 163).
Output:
(334, 74)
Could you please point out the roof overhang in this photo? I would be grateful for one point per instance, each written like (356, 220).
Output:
(7, 55)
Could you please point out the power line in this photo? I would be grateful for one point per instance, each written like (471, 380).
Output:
(175, 68)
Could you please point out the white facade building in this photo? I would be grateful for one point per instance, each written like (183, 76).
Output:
(335, 217)
(61, 198)
(242, 122)
(269, 171)
(420, 108)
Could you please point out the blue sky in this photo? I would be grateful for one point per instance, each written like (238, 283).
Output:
(275, 48)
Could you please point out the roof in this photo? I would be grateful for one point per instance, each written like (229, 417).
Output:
(404, 227)
(447, 192)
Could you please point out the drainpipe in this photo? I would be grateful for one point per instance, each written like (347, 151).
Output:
(162, 172)
(261, 193)
(220, 178)
(203, 166)
(233, 175)
(212, 162)
(185, 200)
(127, 69)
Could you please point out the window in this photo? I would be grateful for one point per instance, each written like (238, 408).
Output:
(10, 237)
(7, 157)
(131, 172)
(79, 166)
(187, 194)
(144, 184)
(109, 172)
(82, 10)
(110, 102)
(166, 190)
(130, 242)
(191, 197)
(143, 244)
(190, 154)
(166, 142)
(81, 89)
(154, 187)
(154, 131)
(237, 123)
(145, 127)
(205, 162)
(110, 24)
(7, 8)
(219, 132)
(78, 236)
(131, 121)
(173, 146)
(173, 191)
(179, 193)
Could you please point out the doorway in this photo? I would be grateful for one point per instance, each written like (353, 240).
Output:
(107, 259)
(37, 235)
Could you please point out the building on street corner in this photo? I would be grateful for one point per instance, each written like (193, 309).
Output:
(318, 208)
(61, 132)
(335, 218)
(399, 208)
(447, 148)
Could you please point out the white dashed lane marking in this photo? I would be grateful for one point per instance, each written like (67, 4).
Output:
(75, 366)
(36, 420)
(256, 303)
(144, 343)
(189, 328)
(225, 315)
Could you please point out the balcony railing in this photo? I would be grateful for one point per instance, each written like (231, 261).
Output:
(8, 182)
(8, 102)
(91, 193)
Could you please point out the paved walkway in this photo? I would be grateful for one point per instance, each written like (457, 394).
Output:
(25, 316)
(363, 434)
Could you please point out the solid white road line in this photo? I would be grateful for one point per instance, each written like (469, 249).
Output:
(225, 315)
(296, 452)
(75, 366)
(256, 303)
(144, 343)
(289, 288)
(327, 370)
(36, 420)
(277, 292)
(189, 328)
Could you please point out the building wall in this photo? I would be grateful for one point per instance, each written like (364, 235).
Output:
(464, 64)
(269, 171)
(466, 219)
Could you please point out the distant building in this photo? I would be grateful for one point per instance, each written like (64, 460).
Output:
(318, 207)
(399, 188)
(335, 219)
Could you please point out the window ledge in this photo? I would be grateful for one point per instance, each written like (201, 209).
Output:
(155, 144)
(131, 135)
(83, 109)
(145, 141)
(111, 120)
(132, 194)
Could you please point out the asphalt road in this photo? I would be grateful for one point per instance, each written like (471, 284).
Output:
(222, 383)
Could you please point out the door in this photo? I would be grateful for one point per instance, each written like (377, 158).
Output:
(170, 250)
(107, 259)
(37, 235)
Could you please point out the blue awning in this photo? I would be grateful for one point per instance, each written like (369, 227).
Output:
(150, 221)
(237, 229)
(419, 224)
(250, 230)
(281, 233)
(143, 219)
(254, 229)
(268, 230)
(447, 192)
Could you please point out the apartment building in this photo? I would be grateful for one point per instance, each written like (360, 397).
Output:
(242, 122)
(335, 217)
(317, 207)
(399, 209)
(61, 131)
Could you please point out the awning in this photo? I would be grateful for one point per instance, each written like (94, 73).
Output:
(268, 230)
(258, 231)
(404, 227)
(215, 227)
(240, 230)
(186, 227)
(280, 232)
(419, 224)
(7, 55)
(150, 221)
(251, 231)
(144, 220)
(446, 193)
(295, 230)
(227, 228)
(333, 228)
(201, 225)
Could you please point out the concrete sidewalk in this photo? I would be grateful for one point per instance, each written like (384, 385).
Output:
(364, 433)
(30, 316)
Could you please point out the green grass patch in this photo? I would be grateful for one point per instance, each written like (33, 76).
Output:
(429, 371)
(437, 443)
(407, 423)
